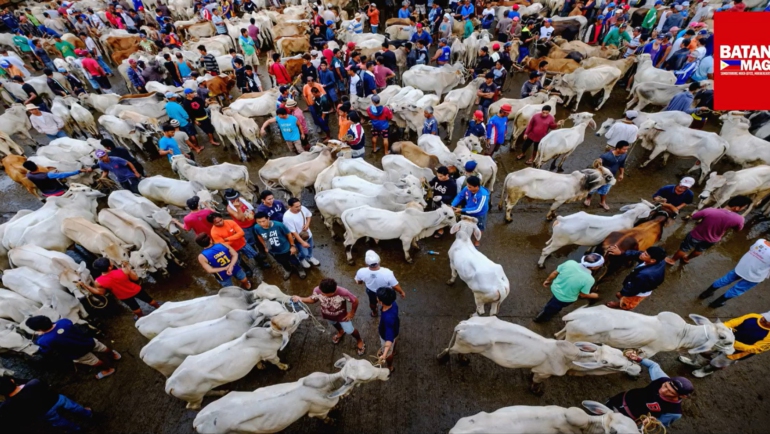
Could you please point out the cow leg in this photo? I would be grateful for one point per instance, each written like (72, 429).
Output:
(195, 405)
(547, 252)
(349, 243)
(511, 202)
(655, 152)
(536, 384)
(704, 170)
(606, 96)
(406, 243)
(452, 279)
(277, 362)
(444, 355)
(479, 304)
(552, 212)
(329, 223)
(642, 104)
(561, 334)
(577, 101)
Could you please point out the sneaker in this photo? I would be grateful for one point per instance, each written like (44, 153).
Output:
(700, 373)
(304, 263)
(688, 361)
(301, 273)
(314, 261)
(286, 274)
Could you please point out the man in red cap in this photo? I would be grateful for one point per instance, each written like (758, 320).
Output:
(476, 127)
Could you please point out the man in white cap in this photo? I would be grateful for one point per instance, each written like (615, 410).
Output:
(570, 282)
(45, 122)
(374, 277)
(356, 26)
(623, 129)
(677, 195)
(752, 336)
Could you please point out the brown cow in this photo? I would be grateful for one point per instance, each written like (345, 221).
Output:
(413, 153)
(292, 44)
(555, 66)
(220, 85)
(397, 21)
(119, 56)
(294, 66)
(17, 172)
(117, 43)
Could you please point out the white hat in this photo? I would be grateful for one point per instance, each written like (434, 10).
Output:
(314, 53)
(587, 264)
(357, 17)
(371, 258)
(766, 316)
(687, 182)
(632, 114)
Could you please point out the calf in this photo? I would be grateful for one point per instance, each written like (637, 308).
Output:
(13, 167)
(555, 65)
(416, 155)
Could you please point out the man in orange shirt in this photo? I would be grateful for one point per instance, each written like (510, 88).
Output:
(308, 93)
(374, 17)
(228, 232)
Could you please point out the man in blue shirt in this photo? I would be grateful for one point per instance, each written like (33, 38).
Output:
(404, 12)
(430, 126)
(48, 183)
(467, 10)
(421, 35)
(370, 83)
(683, 75)
(648, 274)
(476, 201)
(496, 129)
(290, 129)
(678, 196)
(443, 53)
(177, 112)
(221, 260)
(279, 242)
(615, 162)
(683, 101)
(124, 171)
(167, 145)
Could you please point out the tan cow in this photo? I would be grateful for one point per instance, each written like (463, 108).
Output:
(555, 66)
(15, 170)
(301, 176)
(119, 56)
(74, 40)
(292, 44)
(416, 155)
(95, 238)
(284, 30)
(622, 64)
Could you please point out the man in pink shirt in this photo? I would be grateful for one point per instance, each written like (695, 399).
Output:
(537, 128)
(196, 220)
(714, 222)
(382, 74)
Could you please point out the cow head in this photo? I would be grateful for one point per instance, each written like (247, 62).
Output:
(582, 118)
(472, 143)
(642, 210)
(140, 264)
(594, 357)
(715, 181)
(447, 215)
(465, 228)
(68, 277)
(11, 339)
(178, 163)
(163, 218)
(266, 291)
(605, 126)
(718, 336)
(115, 252)
(612, 422)
(356, 372)
(286, 324)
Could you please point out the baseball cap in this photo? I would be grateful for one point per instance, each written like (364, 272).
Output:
(81, 53)
(682, 386)
(5, 64)
(131, 61)
(687, 182)
(100, 153)
(703, 32)
(62, 70)
(170, 95)
(506, 108)
(658, 2)
(495, 46)
(376, 99)
(515, 18)
(351, 45)
(188, 91)
(470, 166)
(174, 123)
(371, 258)
(516, 7)
(419, 25)
(478, 114)
(330, 22)
(314, 53)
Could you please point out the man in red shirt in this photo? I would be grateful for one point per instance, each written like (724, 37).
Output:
(278, 71)
(120, 282)
(92, 66)
(537, 128)
(196, 220)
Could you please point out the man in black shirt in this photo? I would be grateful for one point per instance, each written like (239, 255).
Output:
(34, 400)
(485, 62)
(444, 191)
(57, 88)
(388, 58)
(75, 83)
(32, 96)
(195, 107)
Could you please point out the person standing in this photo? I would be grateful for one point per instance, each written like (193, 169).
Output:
(380, 117)
(228, 232)
(486, 92)
(63, 338)
(714, 223)
(33, 98)
(476, 127)
(275, 209)
(678, 195)
(444, 191)
(569, 282)
(196, 220)
(279, 72)
(122, 284)
(221, 260)
(355, 137)
(290, 129)
(135, 76)
(615, 161)
(34, 400)
(280, 243)
(65, 48)
(57, 88)
(125, 172)
(176, 112)
(651, 17)
(297, 221)
(334, 308)
(537, 128)
(49, 183)
(373, 277)
(167, 145)
(208, 61)
(475, 199)
(683, 101)
(623, 130)
(752, 269)
(322, 108)
(752, 337)
(242, 213)
(374, 17)
(249, 48)
(45, 122)
(430, 126)
(389, 326)
(647, 275)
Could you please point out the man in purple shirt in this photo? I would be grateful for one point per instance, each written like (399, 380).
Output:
(714, 222)
(382, 74)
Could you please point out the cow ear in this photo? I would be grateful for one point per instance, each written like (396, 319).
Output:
(339, 364)
(596, 407)
(455, 228)
(587, 347)
(476, 233)
(699, 320)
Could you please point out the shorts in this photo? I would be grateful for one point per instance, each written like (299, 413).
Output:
(420, 9)
(90, 359)
(380, 133)
(603, 190)
(239, 276)
(392, 347)
(691, 243)
(141, 295)
(248, 251)
(358, 153)
(347, 326)
(189, 129)
(205, 125)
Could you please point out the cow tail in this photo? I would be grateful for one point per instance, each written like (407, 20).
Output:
(727, 148)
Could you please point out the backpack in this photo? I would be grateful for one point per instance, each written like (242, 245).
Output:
(360, 87)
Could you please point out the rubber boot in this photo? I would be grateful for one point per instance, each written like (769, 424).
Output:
(300, 271)
(707, 293)
(542, 317)
(286, 274)
(719, 302)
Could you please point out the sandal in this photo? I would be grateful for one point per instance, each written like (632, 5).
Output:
(361, 350)
(105, 374)
(520, 156)
(374, 151)
(116, 355)
(530, 162)
(337, 338)
(374, 314)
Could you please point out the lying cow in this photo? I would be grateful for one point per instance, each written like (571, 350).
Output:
(173, 191)
(44, 289)
(754, 181)
(231, 361)
(665, 331)
(544, 185)
(514, 346)
(522, 419)
(409, 226)
(485, 278)
(50, 262)
(273, 408)
(11, 339)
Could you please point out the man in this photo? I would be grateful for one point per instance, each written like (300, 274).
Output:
(221, 260)
(278, 71)
(374, 17)
(65, 48)
(369, 80)
(57, 88)
(532, 86)
(421, 53)
(713, 224)
(290, 129)
(430, 125)
(125, 172)
(647, 275)
(176, 112)
(651, 17)
(678, 195)
(328, 80)
(167, 145)
(486, 92)
(69, 342)
(503, 28)
(673, 19)
(78, 87)
(380, 116)
(121, 283)
(45, 122)
(49, 183)
(476, 127)
(683, 101)
(135, 76)
(32, 96)
(677, 55)
(275, 209)
(95, 52)
(496, 130)
(208, 61)
(355, 136)
(615, 36)
(322, 107)
(32, 401)
(334, 309)
(537, 128)
(297, 221)
(118, 151)
(569, 282)
(280, 243)
(373, 276)
(252, 82)
(634, 43)
(388, 57)
(356, 26)
(196, 220)
(195, 107)
(704, 70)
(382, 74)
(230, 233)
(615, 161)
(421, 36)
(752, 269)
(404, 12)
(98, 74)
(624, 130)
(752, 336)
(475, 199)
(688, 69)
(444, 190)
(41, 54)
(661, 399)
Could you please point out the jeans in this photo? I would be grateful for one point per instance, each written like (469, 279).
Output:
(55, 419)
(131, 184)
(553, 307)
(58, 135)
(104, 65)
(374, 28)
(287, 260)
(305, 253)
(739, 288)
(603, 190)
(94, 83)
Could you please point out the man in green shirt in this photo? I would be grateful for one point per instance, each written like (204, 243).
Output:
(615, 35)
(25, 48)
(65, 48)
(569, 282)
(651, 18)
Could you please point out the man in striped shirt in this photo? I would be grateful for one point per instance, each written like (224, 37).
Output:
(208, 61)
(356, 26)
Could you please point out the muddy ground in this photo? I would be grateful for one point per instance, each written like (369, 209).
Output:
(423, 396)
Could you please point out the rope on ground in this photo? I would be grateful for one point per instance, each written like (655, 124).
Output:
(650, 425)
(300, 306)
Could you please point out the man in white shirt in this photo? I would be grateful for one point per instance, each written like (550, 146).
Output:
(45, 123)
(753, 268)
(635, 42)
(375, 277)
(623, 129)
(546, 30)
(297, 221)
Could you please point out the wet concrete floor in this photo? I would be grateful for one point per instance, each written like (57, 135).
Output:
(424, 396)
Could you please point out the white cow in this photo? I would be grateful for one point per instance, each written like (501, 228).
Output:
(465, 97)
(585, 229)
(249, 130)
(350, 167)
(485, 278)
(469, 148)
(665, 331)
(274, 168)
(437, 80)
(274, 408)
(522, 117)
(398, 166)
(544, 185)
(17, 308)
(674, 139)
(100, 103)
(172, 346)
(71, 150)
(141, 208)
(16, 121)
(231, 361)
(514, 346)
(647, 72)
(83, 117)
(228, 130)
(754, 181)
(182, 313)
(593, 81)
(11, 339)
(434, 146)
(522, 419)
(745, 148)
(124, 132)
(409, 226)
(44, 289)
(49, 262)
(564, 141)
(517, 104)
(174, 191)
(95, 238)
(296, 179)
(408, 189)
(58, 108)
(659, 94)
(263, 105)
(675, 117)
(153, 253)
(217, 177)
(332, 203)
(445, 113)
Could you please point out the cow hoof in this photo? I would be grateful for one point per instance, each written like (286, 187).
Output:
(549, 217)
(540, 266)
(328, 421)
(450, 282)
(409, 260)
(537, 389)
(508, 221)
(560, 170)
(463, 360)
(351, 262)
(443, 357)
(260, 365)
(283, 367)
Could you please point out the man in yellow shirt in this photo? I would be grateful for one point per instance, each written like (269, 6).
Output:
(752, 336)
